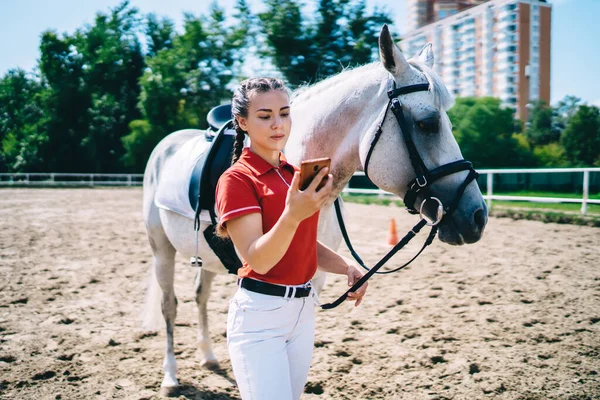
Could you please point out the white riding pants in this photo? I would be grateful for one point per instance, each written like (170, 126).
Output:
(270, 341)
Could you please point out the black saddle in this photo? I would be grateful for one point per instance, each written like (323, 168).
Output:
(204, 182)
(219, 116)
(205, 176)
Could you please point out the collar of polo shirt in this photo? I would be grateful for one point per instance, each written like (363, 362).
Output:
(258, 165)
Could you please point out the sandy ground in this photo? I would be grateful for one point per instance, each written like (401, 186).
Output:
(515, 316)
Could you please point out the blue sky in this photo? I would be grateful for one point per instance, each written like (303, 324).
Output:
(575, 63)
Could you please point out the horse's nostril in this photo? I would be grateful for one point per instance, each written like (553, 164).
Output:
(480, 218)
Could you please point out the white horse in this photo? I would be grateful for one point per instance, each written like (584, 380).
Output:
(335, 118)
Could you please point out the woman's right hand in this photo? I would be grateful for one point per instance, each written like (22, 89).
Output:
(301, 204)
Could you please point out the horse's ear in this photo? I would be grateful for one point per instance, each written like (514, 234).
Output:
(391, 57)
(426, 55)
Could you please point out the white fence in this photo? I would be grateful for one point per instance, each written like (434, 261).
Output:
(489, 196)
(59, 179)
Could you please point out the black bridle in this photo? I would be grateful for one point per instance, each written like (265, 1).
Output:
(420, 185)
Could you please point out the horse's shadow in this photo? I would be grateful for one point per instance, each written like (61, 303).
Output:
(190, 391)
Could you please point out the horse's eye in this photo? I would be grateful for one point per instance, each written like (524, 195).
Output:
(429, 125)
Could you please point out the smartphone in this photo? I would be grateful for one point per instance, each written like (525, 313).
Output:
(310, 168)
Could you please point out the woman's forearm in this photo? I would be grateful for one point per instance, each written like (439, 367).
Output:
(266, 251)
(329, 261)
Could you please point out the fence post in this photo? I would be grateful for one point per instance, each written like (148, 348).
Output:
(27, 178)
(586, 191)
(129, 180)
(92, 180)
(490, 191)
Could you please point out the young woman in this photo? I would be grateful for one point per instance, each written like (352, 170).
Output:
(273, 224)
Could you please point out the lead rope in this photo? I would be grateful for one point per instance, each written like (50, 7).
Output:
(412, 233)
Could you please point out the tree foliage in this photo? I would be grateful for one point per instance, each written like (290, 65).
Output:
(581, 138)
(341, 34)
(485, 132)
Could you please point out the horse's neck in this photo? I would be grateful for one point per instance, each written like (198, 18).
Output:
(330, 119)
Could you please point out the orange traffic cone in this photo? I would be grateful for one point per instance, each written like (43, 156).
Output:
(393, 235)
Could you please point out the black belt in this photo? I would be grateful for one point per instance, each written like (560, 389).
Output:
(273, 290)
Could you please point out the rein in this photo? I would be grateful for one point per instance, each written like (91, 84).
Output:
(420, 185)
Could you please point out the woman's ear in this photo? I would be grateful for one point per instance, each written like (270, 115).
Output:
(242, 123)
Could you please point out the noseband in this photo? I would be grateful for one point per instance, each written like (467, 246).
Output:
(420, 185)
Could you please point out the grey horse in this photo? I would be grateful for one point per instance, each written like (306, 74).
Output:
(335, 118)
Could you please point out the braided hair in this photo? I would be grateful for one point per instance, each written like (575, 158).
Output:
(239, 107)
(241, 102)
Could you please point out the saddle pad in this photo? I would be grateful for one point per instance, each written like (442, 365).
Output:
(173, 187)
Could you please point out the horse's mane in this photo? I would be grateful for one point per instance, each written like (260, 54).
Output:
(308, 89)
(442, 97)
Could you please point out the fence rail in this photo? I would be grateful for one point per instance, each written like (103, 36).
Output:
(64, 179)
(490, 196)
(60, 179)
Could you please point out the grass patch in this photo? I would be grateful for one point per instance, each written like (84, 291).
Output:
(372, 199)
(571, 208)
(528, 193)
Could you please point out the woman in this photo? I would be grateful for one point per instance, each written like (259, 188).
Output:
(270, 325)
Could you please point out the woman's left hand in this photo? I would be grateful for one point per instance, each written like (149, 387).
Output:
(354, 275)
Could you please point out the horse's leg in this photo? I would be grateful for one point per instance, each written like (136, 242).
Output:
(164, 269)
(203, 284)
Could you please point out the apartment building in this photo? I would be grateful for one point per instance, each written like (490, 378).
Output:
(497, 48)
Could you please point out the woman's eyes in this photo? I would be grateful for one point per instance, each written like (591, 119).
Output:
(268, 116)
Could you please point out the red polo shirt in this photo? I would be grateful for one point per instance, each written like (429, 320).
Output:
(253, 185)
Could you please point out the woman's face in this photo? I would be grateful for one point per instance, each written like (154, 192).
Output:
(268, 123)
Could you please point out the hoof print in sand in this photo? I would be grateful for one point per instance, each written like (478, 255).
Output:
(314, 388)
(42, 376)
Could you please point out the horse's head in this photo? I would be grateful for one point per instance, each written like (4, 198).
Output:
(420, 115)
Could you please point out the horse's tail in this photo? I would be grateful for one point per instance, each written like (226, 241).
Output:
(152, 318)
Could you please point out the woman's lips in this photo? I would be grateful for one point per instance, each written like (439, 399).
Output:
(277, 137)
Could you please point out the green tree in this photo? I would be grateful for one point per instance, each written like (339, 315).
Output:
(66, 102)
(22, 123)
(550, 155)
(581, 137)
(485, 132)
(92, 78)
(183, 81)
(541, 128)
(160, 34)
(565, 109)
(114, 63)
(307, 50)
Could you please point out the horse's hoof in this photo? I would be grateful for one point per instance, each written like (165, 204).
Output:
(212, 365)
(169, 391)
